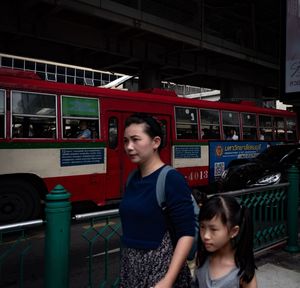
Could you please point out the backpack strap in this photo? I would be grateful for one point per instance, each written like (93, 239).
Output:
(161, 201)
(160, 186)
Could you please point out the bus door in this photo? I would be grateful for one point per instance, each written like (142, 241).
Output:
(166, 151)
(118, 164)
(115, 150)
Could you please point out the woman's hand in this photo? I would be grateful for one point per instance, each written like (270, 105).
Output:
(182, 249)
(163, 283)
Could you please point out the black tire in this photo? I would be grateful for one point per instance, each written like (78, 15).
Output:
(19, 201)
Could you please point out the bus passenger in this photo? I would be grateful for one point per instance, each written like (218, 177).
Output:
(85, 132)
(232, 135)
(151, 257)
(225, 253)
(262, 134)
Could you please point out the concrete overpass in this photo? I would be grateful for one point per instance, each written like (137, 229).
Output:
(229, 45)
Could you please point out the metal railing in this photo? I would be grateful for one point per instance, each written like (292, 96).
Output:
(108, 232)
(268, 208)
(15, 240)
(274, 211)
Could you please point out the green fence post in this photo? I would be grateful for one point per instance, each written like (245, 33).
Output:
(292, 210)
(57, 239)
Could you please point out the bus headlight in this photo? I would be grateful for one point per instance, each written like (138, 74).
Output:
(271, 179)
(224, 174)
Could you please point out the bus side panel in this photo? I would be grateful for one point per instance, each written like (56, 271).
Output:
(82, 187)
(195, 176)
(78, 167)
(191, 159)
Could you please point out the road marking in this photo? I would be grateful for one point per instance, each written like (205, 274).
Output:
(103, 253)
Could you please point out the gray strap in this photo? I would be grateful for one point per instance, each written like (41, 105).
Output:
(196, 207)
(160, 185)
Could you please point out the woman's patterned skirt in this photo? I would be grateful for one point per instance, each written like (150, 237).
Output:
(144, 268)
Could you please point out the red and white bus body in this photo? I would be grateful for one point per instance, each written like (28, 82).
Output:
(96, 169)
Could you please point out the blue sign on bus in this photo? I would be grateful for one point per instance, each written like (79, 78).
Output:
(187, 152)
(221, 153)
(75, 157)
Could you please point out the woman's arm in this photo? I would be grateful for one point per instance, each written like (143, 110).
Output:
(181, 252)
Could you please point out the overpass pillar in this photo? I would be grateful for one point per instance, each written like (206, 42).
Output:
(149, 77)
(236, 91)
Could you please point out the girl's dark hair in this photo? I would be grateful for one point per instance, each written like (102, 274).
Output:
(153, 126)
(231, 214)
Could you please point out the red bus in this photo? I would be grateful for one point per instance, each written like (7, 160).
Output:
(40, 148)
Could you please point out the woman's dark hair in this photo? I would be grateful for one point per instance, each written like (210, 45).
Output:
(152, 127)
(231, 214)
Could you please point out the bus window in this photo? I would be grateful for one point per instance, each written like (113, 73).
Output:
(80, 129)
(33, 115)
(210, 124)
(265, 127)
(231, 130)
(279, 129)
(291, 129)
(186, 123)
(113, 133)
(249, 126)
(80, 118)
(2, 113)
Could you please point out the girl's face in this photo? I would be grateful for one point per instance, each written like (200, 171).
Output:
(138, 145)
(215, 235)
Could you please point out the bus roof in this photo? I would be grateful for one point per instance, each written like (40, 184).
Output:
(19, 79)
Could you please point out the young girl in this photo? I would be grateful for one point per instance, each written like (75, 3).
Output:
(149, 258)
(225, 253)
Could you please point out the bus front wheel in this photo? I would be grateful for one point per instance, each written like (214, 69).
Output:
(19, 201)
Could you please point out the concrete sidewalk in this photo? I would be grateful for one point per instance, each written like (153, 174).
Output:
(278, 269)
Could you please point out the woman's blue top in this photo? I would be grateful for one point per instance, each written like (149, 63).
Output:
(143, 221)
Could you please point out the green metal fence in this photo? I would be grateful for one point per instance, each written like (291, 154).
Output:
(104, 235)
(268, 207)
(14, 241)
(274, 211)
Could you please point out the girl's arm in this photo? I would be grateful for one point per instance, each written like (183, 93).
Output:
(181, 252)
(251, 284)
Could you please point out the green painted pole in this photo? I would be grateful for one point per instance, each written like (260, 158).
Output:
(57, 240)
(292, 210)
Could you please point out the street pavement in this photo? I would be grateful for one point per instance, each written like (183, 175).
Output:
(278, 269)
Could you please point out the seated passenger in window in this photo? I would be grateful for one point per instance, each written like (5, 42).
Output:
(262, 134)
(232, 135)
(85, 132)
(210, 133)
(207, 134)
